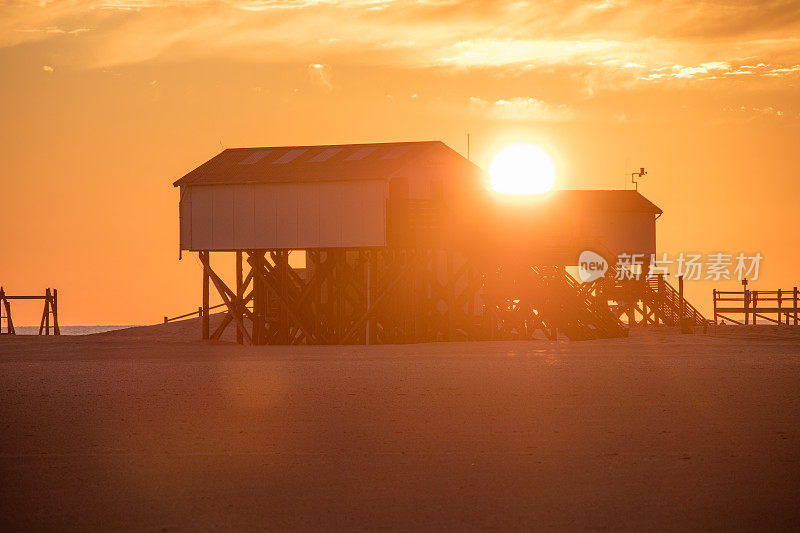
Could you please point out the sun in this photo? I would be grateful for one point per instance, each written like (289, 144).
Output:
(522, 169)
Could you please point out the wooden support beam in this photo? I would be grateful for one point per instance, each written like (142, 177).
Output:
(44, 325)
(6, 304)
(206, 261)
(228, 297)
(255, 259)
(272, 277)
(371, 279)
(239, 294)
(387, 291)
(56, 329)
(451, 296)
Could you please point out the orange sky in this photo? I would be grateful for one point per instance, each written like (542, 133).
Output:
(105, 104)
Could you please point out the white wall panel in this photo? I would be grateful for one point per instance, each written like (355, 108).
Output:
(308, 217)
(374, 212)
(185, 214)
(201, 218)
(330, 219)
(222, 217)
(286, 202)
(243, 216)
(285, 215)
(265, 221)
(352, 214)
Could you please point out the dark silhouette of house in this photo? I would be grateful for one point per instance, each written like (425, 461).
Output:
(403, 242)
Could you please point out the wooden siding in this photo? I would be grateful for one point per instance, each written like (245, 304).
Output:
(284, 215)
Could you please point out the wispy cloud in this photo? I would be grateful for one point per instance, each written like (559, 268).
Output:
(320, 76)
(612, 41)
(521, 108)
(54, 30)
(716, 69)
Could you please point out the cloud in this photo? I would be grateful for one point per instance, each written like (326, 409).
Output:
(716, 69)
(764, 112)
(264, 5)
(610, 43)
(489, 52)
(320, 76)
(47, 68)
(521, 108)
(54, 30)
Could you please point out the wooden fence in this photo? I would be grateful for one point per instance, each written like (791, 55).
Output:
(50, 311)
(199, 313)
(776, 307)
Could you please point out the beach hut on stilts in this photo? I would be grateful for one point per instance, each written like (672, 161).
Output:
(403, 242)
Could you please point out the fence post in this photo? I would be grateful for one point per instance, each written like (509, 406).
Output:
(47, 311)
(746, 298)
(794, 301)
(755, 305)
(715, 306)
(56, 330)
(779, 306)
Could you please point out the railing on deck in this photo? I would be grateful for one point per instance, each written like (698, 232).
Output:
(674, 302)
(783, 304)
(199, 313)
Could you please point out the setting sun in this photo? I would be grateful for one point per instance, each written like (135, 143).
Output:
(522, 169)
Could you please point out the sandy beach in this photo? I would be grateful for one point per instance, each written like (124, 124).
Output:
(148, 429)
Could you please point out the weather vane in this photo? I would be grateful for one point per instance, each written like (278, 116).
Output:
(639, 174)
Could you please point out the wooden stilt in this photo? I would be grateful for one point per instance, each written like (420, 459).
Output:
(451, 297)
(56, 329)
(255, 259)
(239, 294)
(370, 279)
(5, 305)
(206, 260)
(366, 296)
(227, 295)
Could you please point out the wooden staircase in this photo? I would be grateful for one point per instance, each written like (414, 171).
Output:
(580, 316)
(661, 302)
(667, 303)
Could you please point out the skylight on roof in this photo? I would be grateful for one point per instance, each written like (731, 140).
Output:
(325, 155)
(254, 157)
(361, 153)
(290, 156)
(397, 151)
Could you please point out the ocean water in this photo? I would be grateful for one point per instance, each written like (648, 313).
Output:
(69, 330)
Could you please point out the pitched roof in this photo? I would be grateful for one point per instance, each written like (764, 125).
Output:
(336, 162)
(605, 200)
(277, 164)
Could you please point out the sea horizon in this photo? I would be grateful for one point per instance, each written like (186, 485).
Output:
(74, 330)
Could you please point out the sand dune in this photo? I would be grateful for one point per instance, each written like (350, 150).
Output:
(149, 429)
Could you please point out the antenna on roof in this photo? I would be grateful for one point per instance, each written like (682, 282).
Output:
(220, 144)
(639, 175)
